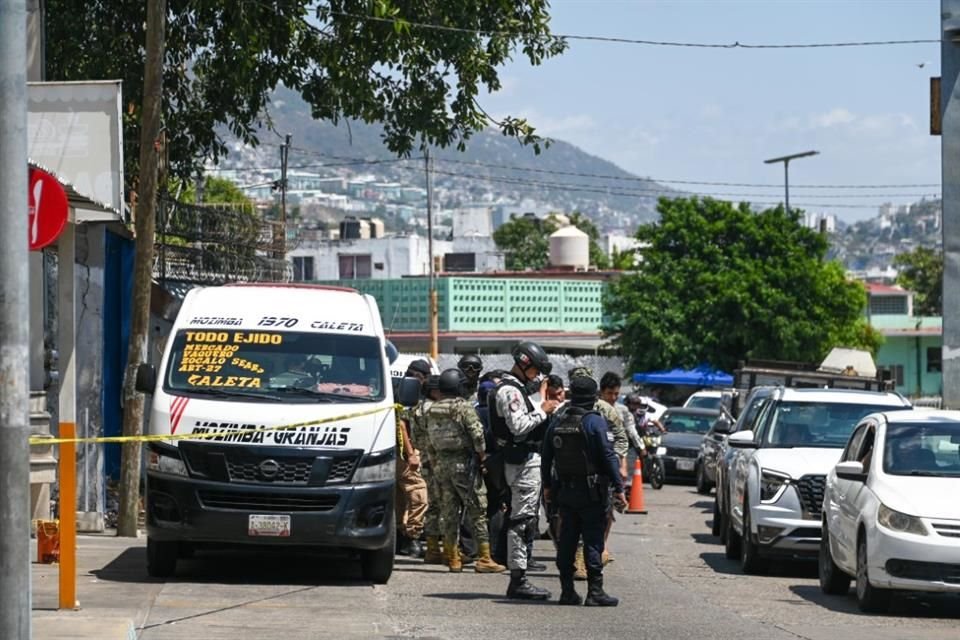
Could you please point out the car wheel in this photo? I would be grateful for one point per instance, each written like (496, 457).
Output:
(731, 546)
(750, 560)
(715, 525)
(833, 580)
(656, 474)
(377, 565)
(162, 558)
(703, 485)
(870, 598)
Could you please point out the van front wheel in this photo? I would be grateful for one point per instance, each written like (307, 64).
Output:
(377, 565)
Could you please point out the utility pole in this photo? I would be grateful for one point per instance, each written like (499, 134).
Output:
(786, 172)
(950, 161)
(280, 240)
(434, 311)
(14, 328)
(133, 402)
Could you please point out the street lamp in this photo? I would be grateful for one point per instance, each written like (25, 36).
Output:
(786, 171)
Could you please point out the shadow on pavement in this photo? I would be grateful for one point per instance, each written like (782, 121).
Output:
(719, 563)
(705, 506)
(242, 567)
(460, 595)
(906, 604)
(705, 538)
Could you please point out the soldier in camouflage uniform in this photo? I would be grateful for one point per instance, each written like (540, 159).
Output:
(418, 431)
(456, 439)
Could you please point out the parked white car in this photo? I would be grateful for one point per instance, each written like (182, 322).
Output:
(777, 473)
(891, 516)
(707, 399)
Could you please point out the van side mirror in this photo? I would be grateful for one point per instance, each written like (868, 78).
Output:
(851, 470)
(408, 392)
(146, 378)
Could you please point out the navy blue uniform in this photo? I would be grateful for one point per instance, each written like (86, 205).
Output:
(583, 498)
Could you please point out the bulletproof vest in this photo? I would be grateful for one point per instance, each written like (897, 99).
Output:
(498, 424)
(444, 429)
(570, 445)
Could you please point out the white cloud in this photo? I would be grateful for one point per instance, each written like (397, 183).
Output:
(832, 118)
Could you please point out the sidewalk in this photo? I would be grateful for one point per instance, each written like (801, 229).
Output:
(113, 590)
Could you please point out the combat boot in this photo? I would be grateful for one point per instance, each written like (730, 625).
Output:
(453, 557)
(485, 563)
(579, 566)
(596, 596)
(568, 594)
(521, 589)
(434, 554)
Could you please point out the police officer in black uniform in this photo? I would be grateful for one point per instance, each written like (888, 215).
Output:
(579, 448)
(471, 366)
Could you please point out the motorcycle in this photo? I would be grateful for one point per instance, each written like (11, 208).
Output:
(652, 465)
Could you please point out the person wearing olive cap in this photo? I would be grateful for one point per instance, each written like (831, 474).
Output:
(578, 468)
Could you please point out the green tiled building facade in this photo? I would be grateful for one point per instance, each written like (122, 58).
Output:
(488, 304)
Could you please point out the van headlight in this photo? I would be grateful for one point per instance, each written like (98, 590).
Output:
(896, 521)
(379, 466)
(163, 463)
(772, 484)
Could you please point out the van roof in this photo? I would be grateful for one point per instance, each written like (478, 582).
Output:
(292, 285)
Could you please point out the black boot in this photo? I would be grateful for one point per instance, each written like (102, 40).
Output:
(568, 594)
(596, 596)
(415, 548)
(533, 565)
(521, 589)
(403, 545)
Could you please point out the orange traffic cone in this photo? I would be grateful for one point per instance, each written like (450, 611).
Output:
(636, 490)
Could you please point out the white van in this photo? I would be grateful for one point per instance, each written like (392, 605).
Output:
(242, 361)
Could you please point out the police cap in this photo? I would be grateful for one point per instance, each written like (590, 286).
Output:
(583, 391)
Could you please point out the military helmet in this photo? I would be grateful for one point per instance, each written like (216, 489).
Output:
(451, 382)
(433, 382)
(471, 361)
(580, 372)
(530, 354)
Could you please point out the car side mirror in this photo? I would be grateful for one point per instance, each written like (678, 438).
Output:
(146, 378)
(851, 470)
(723, 426)
(742, 440)
(408, 392)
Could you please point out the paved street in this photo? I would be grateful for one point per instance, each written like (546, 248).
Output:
(669, 572)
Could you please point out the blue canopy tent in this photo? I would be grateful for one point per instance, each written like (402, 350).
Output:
(701, 376)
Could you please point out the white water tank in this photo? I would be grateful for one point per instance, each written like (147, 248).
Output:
(569, 249)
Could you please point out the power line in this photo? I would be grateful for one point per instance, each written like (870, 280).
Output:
(639, 194)
(760, 185)
(656, 43)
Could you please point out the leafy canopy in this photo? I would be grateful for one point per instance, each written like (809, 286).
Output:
(719, 283)
(525, 240)
(921, 271)
(348, 58)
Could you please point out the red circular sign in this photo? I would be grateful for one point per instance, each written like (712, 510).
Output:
(48, 209)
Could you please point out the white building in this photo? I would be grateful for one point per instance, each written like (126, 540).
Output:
(473, 221)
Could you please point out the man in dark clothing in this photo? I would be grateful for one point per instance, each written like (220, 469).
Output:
(579, 448)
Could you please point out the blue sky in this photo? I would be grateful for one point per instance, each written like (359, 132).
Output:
(715, 115)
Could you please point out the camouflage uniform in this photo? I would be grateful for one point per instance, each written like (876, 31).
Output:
(621, 444)
(456, 439)
(421, 440)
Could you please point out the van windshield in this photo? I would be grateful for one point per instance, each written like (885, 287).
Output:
(276, 365)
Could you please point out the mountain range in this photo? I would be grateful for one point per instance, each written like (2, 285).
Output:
(493, 167)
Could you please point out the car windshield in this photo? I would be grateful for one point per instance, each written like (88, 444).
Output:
(703, 402)
(930, 449)
(686, 423)
(294, 366)
(816, 424)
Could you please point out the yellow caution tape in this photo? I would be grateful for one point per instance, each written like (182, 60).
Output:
(162, 437)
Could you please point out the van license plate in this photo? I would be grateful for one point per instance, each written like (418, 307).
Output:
(264, 525)
(685, 465)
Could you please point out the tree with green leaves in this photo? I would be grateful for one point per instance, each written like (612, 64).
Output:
(719, 284)
(525, 240)
(921, 271)
(376, 61)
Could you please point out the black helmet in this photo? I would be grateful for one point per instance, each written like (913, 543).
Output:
(471, 362)
(432, 382)
(451, 382)
(530, 354)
